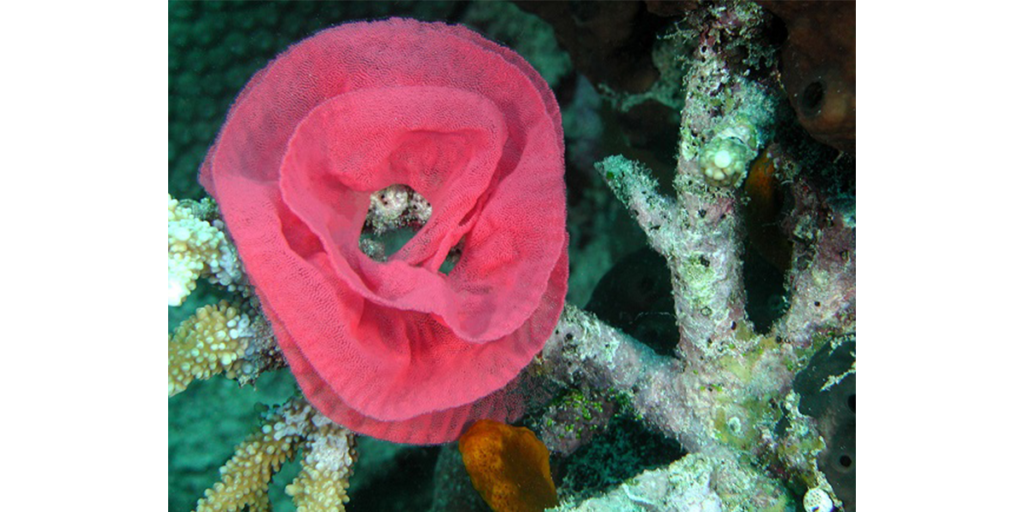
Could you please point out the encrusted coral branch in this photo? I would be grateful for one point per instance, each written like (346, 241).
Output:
(732, 385)
(697, 234)
(729, 389)
(825, 283)
(698, 482)
(584, 350)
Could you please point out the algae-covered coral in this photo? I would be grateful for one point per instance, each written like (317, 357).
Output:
(729, 392)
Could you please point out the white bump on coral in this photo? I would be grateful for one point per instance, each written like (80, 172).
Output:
(817, 500)
(725, 157)
(724, 160)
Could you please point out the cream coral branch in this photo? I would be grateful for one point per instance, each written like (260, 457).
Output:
(326, 467)
(211, 341)
(197, 246)
(327, 464)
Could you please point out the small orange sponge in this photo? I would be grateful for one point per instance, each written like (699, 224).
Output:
(509, 467)
(764, 212)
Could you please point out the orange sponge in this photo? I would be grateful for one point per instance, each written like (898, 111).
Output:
(764, 211)
(509, 467)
